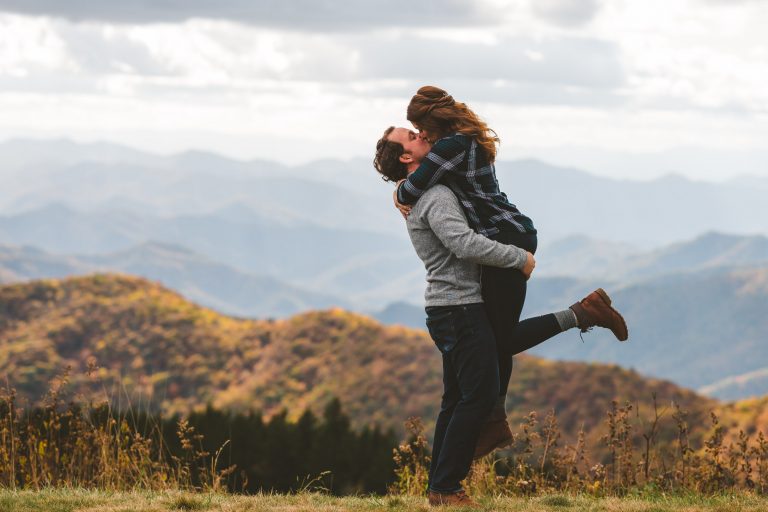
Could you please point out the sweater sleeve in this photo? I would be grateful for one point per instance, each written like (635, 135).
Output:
(446, 219)
(445, 155)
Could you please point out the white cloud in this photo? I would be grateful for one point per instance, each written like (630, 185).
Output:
(635, 77)
(320, 15)
(28, 45)
(566, 13)
(692, 57)
(565, 61)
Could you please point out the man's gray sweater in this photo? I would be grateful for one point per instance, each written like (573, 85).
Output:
(452, 251)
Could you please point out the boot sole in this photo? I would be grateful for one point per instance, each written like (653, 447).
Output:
(607, 300)
(498, 446)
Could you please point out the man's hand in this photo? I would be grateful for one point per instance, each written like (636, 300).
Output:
(530, 264)
(404, 208)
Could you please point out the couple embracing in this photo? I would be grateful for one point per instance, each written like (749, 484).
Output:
(478, 250)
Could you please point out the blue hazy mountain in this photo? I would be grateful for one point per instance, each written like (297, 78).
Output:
(199, 279)
(705, 330)
(348, 194)
(684, 259)
(589, 258)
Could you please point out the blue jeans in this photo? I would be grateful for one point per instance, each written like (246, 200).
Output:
(465, 339)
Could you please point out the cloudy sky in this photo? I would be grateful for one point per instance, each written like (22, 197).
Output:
(619, 87)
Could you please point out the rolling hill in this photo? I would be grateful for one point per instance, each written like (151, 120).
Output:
(142, 343)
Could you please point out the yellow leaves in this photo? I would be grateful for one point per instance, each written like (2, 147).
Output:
(149, 338)
(195, 359)
(158, 377)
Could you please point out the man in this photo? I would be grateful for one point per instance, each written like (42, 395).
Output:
(459, 324)
(452, 252)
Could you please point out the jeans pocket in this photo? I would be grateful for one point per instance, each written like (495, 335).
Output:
(441, 328)
(447, 327)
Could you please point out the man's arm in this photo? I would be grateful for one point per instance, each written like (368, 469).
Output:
(445, 155)
(446, 219)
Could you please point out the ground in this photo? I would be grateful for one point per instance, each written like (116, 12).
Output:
(59, 500)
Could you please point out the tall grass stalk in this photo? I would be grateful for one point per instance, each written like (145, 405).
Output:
(65, 444)
(635, 460)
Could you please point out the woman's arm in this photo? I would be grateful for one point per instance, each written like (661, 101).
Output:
(446, 155)
(447, 221)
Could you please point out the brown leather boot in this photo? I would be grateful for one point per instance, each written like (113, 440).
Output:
(595, 310)
(495, 433)
(457, 499)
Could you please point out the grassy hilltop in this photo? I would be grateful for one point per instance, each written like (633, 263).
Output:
(74, 500)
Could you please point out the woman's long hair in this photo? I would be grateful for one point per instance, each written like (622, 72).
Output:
(435, 111)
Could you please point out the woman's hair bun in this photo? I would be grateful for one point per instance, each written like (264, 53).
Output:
(430, 97)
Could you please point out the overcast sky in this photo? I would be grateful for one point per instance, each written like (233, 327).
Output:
(624, 88)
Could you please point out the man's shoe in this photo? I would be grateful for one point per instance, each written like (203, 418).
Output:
(595, 310)
(457, 499)
(495, 434)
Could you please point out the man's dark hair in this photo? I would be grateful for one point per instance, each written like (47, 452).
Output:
(387, 160)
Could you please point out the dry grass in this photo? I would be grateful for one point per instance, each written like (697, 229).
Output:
(67, 446)
(538, 464)
(71, 500)
(70, 445)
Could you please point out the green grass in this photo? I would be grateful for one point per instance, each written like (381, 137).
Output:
(70, 500)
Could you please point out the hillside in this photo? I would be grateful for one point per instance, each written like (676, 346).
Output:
(704, 330)
(173, 355)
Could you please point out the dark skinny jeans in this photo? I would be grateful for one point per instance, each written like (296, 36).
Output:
(470, 388)
(504, 292)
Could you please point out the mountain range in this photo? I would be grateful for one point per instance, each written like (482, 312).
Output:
(588, 258)
(202, 280)
(348, 195)
(705, 330)
(691, 321)
(684, 260)
(134, 342)
(354, 264)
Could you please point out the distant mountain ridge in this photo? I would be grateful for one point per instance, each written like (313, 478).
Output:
(679, 320)
(705, 330)
(326, 261)
(202, 280)
(588, 258)
(259, 238)
(735, 387)
(346, 194)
